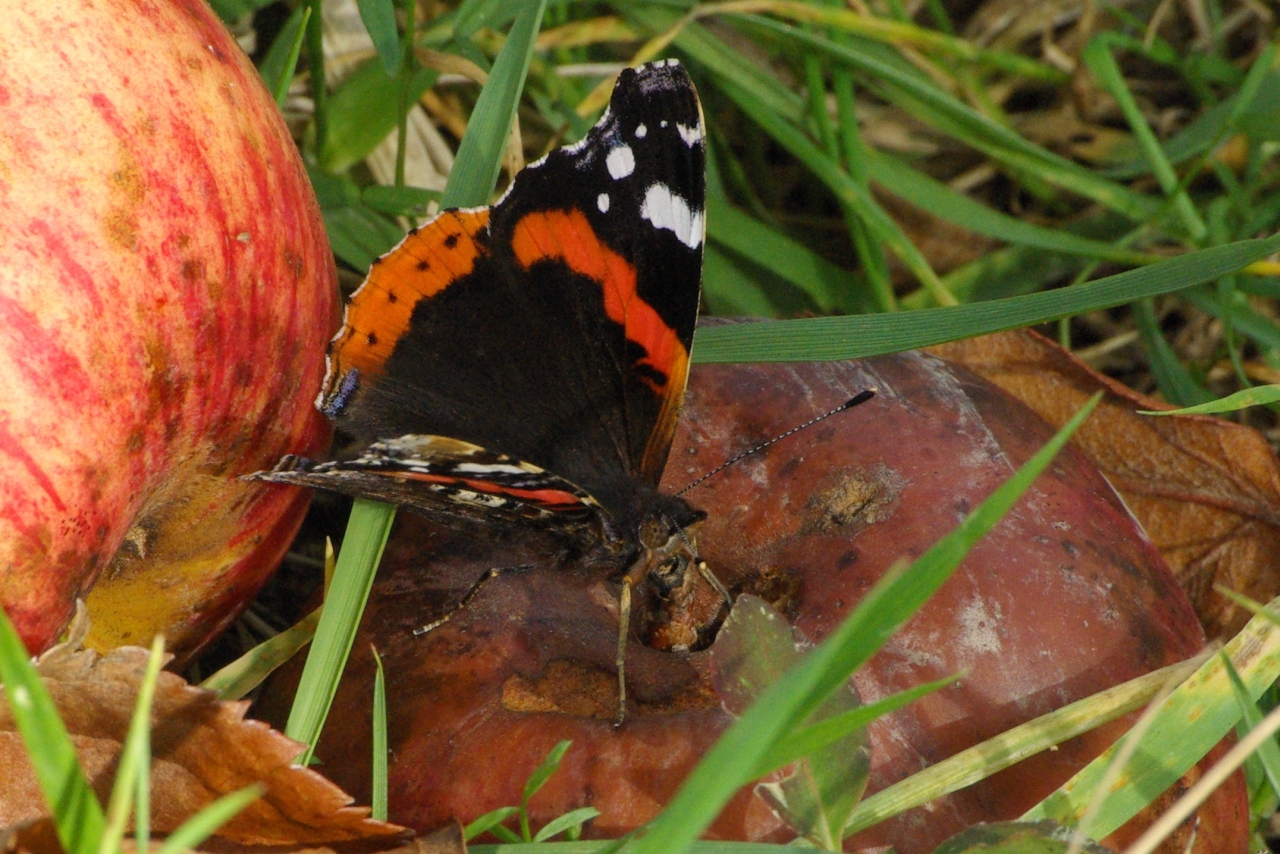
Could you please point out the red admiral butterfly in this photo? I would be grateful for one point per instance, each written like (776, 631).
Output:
(524, 364)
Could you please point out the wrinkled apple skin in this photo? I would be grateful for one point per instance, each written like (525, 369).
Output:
(166, 292)
(1065, 597)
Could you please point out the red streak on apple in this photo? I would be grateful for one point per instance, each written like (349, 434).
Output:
(165, 298)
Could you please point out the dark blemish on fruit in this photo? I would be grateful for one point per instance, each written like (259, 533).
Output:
(192, 270)
(852, 499)
(847, 559)
(1070, 548)
(788, 467)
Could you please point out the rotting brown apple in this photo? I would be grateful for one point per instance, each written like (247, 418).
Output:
(1064, 598)
(166, 292)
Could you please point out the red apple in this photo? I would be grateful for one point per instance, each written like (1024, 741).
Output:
(166, 291)
(1065, 597)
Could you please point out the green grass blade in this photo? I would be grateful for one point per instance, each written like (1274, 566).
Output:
(1267, 759)
(828, 170)
(398, 201)
(816, 736)
(896, 33)
(870, 253)
(237, 679)
(379, 17)
(364, 110)
(895, 176)
(825, 283)
(359, 236)
(488, 821)
(866, 335)
(77, 815)
(545, 769)
(281, 61)
(378, 796)
(475, 170)
(1256, 396)
(232, 11)
(133, 774)
(1172, 377)
(739, 751)
(1097, 56)
(732, 289)
(568, 821)
(1191, 720)
(1012, 746)
(1239, 314)
(319, 83)
(205, 823)
(948, 114)
(366, 536)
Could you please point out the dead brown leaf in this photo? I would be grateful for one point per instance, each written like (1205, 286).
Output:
(1206, 490)
(202, 747)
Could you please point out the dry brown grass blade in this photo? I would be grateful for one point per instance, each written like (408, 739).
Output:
(1206, 490)
(202, 748)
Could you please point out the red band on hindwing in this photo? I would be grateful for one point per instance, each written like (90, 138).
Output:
(548, 497)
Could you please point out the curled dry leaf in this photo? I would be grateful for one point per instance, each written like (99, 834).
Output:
(1206, 490)
(202, 748)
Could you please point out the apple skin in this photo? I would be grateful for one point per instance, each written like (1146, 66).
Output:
(166, 293)
(1065, 597)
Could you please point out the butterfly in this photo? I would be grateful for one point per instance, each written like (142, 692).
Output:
(524, 364)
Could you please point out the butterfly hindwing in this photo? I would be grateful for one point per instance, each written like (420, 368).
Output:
(447, 477)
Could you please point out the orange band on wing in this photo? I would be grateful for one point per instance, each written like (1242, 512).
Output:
(426, 262)
(567, 236)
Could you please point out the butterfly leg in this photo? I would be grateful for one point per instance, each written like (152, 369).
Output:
(624, 625)
(705, 572)
(488, 575)
(634, 576)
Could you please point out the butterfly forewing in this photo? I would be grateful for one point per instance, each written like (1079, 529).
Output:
(553, 328)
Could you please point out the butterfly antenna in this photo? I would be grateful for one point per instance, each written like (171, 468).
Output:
(860, 397)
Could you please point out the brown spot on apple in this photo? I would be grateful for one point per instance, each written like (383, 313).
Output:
(294, 263)
(852, 497)
(122, 229)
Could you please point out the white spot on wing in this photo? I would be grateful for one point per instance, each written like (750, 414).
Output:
(602, 202)
(641, 130)
(666, 210)
(620, 161)
(492, 468)
(691, 136)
